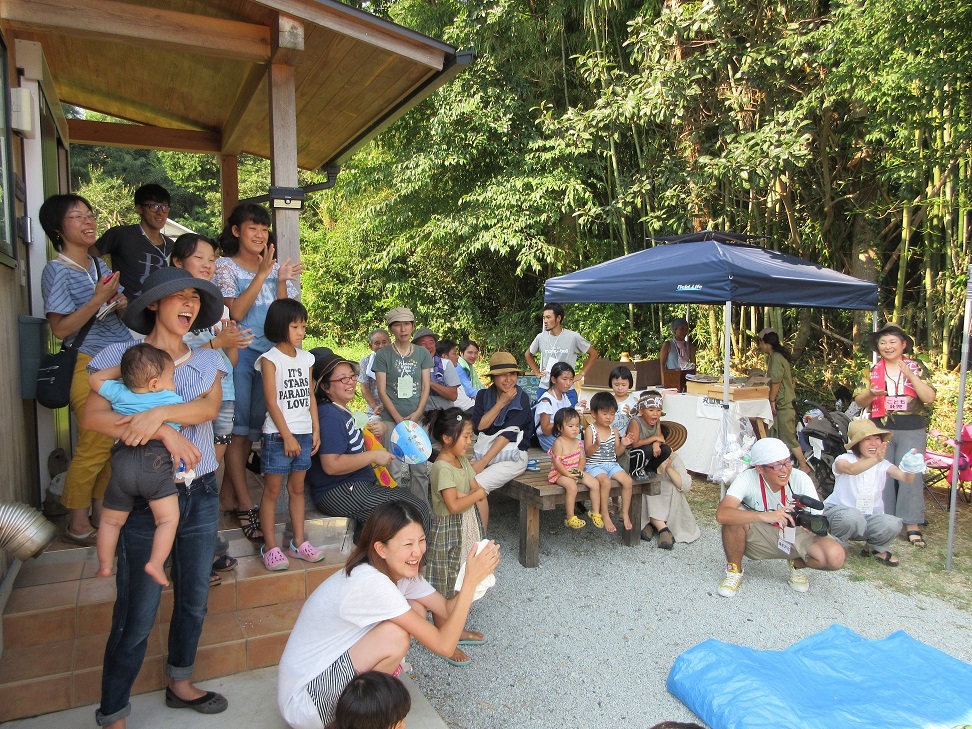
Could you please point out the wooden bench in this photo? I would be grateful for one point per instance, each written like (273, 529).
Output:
(536, 494)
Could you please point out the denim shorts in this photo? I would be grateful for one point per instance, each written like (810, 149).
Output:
(251, 408)
(223, 424)
(608, 469)
(274, 459)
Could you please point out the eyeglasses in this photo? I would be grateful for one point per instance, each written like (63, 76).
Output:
(779, 465)
(346, 380)
(83, 218)
(156, 207)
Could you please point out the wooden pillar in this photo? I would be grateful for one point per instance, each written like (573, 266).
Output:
(283, 156)
(288, 42)
(229, 183)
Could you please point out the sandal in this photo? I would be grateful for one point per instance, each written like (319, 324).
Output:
(884, 557)
(224, 563)
(457, 661)
(250, 524)
(274, 560)
(915, 538)
(596, 519)
(306, 552)
(575, 523)
(648, 533)
(85, 540)
(214, 579)
(475, 638)
(665, 538)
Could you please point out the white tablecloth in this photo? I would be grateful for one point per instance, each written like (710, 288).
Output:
(702, 418)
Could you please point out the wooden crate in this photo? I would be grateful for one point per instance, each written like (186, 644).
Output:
(739, 393)
(700, 388)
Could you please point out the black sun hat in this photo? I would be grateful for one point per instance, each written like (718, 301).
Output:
(165, 282)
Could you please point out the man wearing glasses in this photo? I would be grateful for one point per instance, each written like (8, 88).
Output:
(137, 250)
(755, 522)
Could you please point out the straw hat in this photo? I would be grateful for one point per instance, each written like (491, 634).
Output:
(675, 434)
(502, 362)
(889, 328)
(861, 429)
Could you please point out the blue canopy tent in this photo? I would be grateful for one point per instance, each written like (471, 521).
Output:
(710, 267)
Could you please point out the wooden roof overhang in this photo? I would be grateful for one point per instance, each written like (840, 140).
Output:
(195, 73)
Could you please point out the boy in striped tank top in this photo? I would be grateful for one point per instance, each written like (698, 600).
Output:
(603, 443)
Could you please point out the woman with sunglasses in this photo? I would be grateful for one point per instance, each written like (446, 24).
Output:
(341, 478)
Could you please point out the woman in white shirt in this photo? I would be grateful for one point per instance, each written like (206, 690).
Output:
(364, 617)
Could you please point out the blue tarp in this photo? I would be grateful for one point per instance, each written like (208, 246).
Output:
(706, 271)
(835, 679)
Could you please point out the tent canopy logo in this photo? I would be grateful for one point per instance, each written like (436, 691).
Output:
(689, 287)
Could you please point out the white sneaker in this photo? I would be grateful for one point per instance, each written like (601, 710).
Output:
(799, 582)
(731, 582)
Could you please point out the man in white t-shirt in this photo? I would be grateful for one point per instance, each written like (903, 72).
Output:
(556, 344)
(756, 519)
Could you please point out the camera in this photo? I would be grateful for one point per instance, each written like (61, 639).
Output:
(817, 523)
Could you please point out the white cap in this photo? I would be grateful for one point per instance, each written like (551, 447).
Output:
(768, 450)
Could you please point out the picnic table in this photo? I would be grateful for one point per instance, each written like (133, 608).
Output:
(536, 494)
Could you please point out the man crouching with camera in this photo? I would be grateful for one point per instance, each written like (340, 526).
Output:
(765, 515)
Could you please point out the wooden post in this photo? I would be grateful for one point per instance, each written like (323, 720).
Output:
(229, 183)
(283, 156)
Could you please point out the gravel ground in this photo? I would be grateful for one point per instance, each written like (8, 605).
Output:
(588, 638)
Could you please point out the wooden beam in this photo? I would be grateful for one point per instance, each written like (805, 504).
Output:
(233, 130)
(229, 183)
(142, 26)
(129, 109)
(288, 40)
(366, 28)
(113, 134)
(283, 156)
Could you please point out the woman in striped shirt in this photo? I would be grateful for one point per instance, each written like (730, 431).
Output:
(172, 303)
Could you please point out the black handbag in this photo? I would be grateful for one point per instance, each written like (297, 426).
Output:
(56, 370)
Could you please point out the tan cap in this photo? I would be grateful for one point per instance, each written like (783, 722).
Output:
(399, 313)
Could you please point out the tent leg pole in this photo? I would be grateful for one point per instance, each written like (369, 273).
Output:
(960, 405)
(726, 343)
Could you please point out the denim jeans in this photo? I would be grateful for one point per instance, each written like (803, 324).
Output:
(250, 409)
(138, 596)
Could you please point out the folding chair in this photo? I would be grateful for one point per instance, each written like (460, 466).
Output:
(940, 465)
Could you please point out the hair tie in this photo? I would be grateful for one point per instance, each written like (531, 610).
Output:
(459, 416)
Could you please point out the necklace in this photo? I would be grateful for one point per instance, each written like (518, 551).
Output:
(408, 352)
(74, 264)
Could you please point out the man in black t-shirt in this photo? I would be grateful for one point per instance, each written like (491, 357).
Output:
(137, 250)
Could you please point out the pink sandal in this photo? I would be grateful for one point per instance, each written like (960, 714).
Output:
(306, 552)
(274, 560)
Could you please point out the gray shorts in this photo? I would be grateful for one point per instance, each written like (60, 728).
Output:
(144, 470)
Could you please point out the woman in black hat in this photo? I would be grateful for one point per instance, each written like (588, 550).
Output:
(341, 477)
(172, 303)
(897, 392)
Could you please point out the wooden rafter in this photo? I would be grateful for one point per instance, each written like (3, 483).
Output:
(114, 134)
(143, 26)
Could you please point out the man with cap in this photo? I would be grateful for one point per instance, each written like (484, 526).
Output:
(756, 523)
(556, 344)
(444, 380)
(403, 373)
(677, 355)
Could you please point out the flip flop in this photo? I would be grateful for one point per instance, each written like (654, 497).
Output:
(473, 640)
(889, 559)
(916, 538)
(455, 662)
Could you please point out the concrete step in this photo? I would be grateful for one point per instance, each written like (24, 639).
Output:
(56, 623)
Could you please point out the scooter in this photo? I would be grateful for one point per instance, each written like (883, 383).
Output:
(825, 434)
